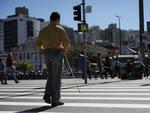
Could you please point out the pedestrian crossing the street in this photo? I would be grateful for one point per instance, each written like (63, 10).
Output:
(99, 97)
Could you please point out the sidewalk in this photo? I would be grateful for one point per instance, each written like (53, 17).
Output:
(81, 82)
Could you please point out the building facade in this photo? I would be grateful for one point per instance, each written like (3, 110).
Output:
(112, 35)
(1, 36)
(29, 53)
(94, 34)
(148, 27)
(18, 27)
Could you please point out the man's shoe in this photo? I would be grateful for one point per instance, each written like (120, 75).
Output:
(5, 83)
(47, 99)
(16, 81)
(2, 82)
(57, 104)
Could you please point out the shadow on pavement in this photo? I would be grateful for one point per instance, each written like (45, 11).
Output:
(145, 85)
(82, 84)
(29, 92)
(36, 110)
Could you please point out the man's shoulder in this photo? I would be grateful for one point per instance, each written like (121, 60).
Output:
(44, 29)
(60, 28)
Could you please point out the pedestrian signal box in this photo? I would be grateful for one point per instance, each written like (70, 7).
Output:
(82, 27)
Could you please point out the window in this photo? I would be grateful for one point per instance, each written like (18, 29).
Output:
(28, 56)
(20, 56)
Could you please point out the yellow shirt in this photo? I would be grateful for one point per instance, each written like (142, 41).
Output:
(53, 36)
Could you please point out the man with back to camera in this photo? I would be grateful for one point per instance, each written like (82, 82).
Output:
(53, 40)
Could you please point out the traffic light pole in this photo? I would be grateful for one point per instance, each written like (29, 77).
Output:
(77, 17)
(84, 36)
(141, 27)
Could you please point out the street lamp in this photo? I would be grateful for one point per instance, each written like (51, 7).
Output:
(119, 32)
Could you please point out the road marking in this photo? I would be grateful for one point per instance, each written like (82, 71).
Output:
(21, 93)
(90, 105)
(100, 87)
(99, 90)
(23, 87)
(27, 112)
(81, 89)
(85, 87)
(85, 98)
(76, 93)
(88, 93)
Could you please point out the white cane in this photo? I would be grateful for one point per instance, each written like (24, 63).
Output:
(71, 71)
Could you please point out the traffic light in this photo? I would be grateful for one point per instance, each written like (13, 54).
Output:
(77, 13)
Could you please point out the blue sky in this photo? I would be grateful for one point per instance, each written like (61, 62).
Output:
(103, 11)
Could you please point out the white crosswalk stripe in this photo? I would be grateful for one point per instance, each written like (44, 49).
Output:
(91, 96)
(110, 105)
(28, 112)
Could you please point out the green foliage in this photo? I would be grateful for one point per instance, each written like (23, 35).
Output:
(73, 53)
(90, 53)
(24, 66)
(72, 56)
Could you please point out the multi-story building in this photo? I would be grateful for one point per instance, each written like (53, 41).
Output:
(124, 41)
(133, 39)
(112, 34)
(148, 27)
(76, 37)
(94, 34)
(28, 52)
(1, 36)
(18, 27)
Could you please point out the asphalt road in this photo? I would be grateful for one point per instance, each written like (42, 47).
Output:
(97, 96)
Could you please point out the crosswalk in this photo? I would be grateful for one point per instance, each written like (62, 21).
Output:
(127, 96)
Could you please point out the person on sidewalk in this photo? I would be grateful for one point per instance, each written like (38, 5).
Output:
(53, 41)
(107, 67)
(116, 67)
(99, 64)
(2, 67)
(10, 69)
(81, 65)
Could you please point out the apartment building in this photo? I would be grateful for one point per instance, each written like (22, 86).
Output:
(1, 36)
(18, 27)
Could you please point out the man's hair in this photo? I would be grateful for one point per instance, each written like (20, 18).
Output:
(55, 16)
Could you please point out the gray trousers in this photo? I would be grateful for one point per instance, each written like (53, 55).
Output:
(10, 70)
(53, 59)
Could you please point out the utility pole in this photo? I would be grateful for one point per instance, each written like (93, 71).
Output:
(119, 34)
(84, 36)
(82, 27)
(141, 27)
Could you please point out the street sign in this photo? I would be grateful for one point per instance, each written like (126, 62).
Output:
(82, 27)
(88, 9)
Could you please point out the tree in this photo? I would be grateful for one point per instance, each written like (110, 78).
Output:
(91, 53)
(24, 66)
